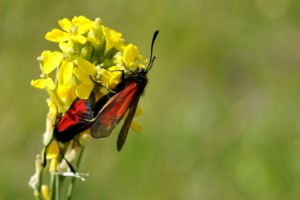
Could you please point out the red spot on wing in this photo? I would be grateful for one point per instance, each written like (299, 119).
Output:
(113, 111)
(76, 112)
(119, 106)
(75, 120)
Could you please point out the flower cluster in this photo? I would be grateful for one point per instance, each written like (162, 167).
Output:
(90, 53)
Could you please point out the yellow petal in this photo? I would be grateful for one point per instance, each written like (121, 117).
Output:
(65, 24)
(51, 60)
(53, 165)
(43, 83)
(83, 24)
(79, 38)
(66, 94)
(110, 78)
(130, 53)
(113, 39)
(50, 84)
(65, 72)
(39, 83)
(83, 77)
(57, 35)
(53, 151)
(83, 91)
(66, 46)
(45, 192)
(86, 66)
(115, 69)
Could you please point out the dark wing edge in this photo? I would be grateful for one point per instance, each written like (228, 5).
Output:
(125, 128)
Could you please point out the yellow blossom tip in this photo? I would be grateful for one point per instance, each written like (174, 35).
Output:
(45, 192)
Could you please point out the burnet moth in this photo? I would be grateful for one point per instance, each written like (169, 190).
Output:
(126, 98)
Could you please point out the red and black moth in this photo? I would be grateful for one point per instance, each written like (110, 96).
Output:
(125, 98)
(76, 119)
(102, 117)
(107, 112)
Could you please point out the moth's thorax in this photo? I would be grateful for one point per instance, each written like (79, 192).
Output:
(138, 76)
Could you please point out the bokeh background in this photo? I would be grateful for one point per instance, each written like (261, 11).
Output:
(220, 113)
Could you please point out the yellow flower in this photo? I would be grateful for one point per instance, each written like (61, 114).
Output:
(73, 30)
(131, 58)
(113, 39)
(129, 55)
(65, 72)
(83, 90)
(53, 154)
(45, 192)
(43, 83)
(84, 72)
(111, 77)
(64, 96)
(50, 60)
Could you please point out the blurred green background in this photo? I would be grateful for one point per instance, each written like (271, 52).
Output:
(221, 110)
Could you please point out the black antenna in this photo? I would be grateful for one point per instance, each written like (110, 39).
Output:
(152, 58)
(62, 155)
(68, 163)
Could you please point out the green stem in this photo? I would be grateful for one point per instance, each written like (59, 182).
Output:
(71, 186)
(53, 186)
(57, 186)
(71, 189)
